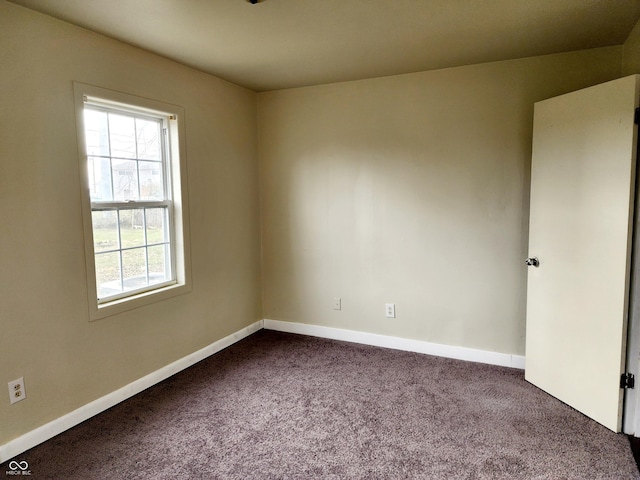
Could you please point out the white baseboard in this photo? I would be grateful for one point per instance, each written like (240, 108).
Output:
(59, 425)
(397, 343)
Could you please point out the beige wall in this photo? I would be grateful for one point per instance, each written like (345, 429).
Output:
(631, 55)
(45, 336)
(410, 190)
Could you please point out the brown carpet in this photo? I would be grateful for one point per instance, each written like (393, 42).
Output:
(286, 406)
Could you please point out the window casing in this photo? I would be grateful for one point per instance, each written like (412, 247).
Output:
(133, 204)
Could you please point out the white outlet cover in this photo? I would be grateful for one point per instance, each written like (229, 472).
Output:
(337, 303)
(16, 390)
(390, 310)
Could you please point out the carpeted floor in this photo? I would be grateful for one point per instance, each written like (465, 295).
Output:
(286, 406)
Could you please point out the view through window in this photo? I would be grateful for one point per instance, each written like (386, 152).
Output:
(131, 205)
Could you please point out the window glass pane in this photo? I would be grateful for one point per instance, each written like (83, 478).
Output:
(151, 184)
(122, 134)
(125, 179)
(96, 132)
(132, 227)
(156, 225)
(134, 265)
(105, 230)
(159, 270)
(99, 179)
(108, 274)
(148, 136)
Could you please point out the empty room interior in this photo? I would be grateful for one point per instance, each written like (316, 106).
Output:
(349, 181)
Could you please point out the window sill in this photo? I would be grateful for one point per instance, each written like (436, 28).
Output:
(114, 307)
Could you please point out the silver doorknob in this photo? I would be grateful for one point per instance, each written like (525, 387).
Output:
(532, 262)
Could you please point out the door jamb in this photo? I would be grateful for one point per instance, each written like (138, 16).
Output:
(631, 409)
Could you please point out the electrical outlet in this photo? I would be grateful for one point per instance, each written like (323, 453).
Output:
(337, 303)
(390, 310)
(17, 391)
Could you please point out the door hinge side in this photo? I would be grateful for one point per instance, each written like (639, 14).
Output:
(627, 380)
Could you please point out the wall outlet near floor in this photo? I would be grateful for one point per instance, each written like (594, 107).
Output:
(337, 303)
(16, 390)
(390, 310)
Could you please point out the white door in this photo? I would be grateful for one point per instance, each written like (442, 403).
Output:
(582, 192)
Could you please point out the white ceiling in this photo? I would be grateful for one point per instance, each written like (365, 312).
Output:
(290, 43)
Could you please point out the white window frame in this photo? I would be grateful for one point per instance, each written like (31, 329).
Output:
(175, 174)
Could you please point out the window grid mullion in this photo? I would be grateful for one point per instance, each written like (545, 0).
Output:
(135, 135)
(138, 177)
(144, 225)
(120, 253)
(111, 186)
(135, 140)
(115, 157)
(146, 243)
(125, 249)
(164, 153)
